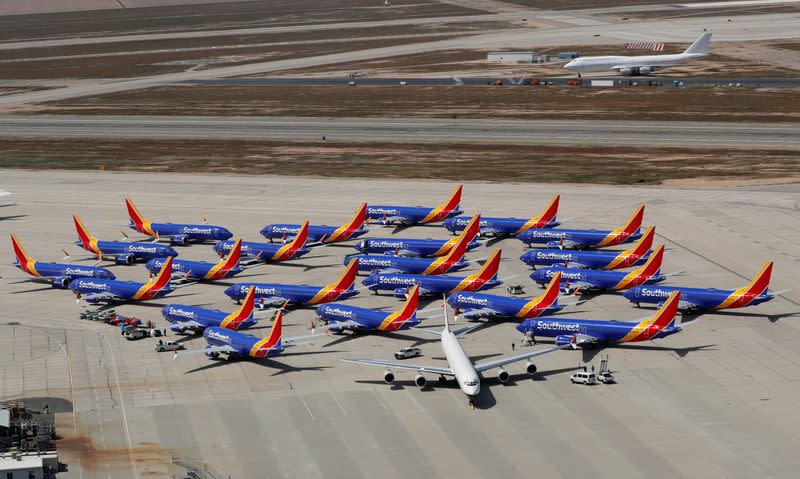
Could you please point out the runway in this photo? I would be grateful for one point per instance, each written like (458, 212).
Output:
(718, 400)
(521, 132)
(746, 27)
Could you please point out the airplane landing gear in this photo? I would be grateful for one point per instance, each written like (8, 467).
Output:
(442, 379)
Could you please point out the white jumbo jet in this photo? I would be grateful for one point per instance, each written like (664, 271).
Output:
(640, 65)
(460, 365)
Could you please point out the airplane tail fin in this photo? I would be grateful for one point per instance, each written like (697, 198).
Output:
(83, 233)
(300, 239)
(409, 308)
(22, 257)
(232, 260)
(645, 242)
(653, 264)
(700, 45)
(760, 282)
(548, 215)
(137, 219)
(234, 320)
(163, 277)
(454, 201)
(634, 222)
(346, 279)
(458, 250)
(490, 268)
(273, 340)
(358, 219)
(550, 296)
(666, 313)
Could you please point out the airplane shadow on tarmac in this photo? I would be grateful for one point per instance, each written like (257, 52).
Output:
(282, 368)
(737, 314)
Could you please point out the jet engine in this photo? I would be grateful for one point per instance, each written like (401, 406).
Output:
(502, 375)
(400, 293)
(180, 239)
(626, 71)
(388, 377)
(645, 70)
(124, 259)
(531, 368)
(420, 380)
(61, 282)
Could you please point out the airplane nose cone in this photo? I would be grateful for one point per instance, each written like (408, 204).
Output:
(570, 65)
(168, 251)
(230, 291)
(265, 231)
(537, 275)
(630, 295)
(522, 327)
(369, 281)
(219, 248)
(225, 234)
(360, 246)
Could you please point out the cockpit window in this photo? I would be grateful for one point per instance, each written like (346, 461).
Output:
(472, 382)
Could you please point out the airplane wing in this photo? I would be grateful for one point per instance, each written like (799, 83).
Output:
(300, 340)
(491, 232)
(398, 365)
(349, 324)
(570, 244)
(213, 349)
(520, 357)
(188, 325)
(271, 301)
(394, 219)
(104, 296)
(481, 313)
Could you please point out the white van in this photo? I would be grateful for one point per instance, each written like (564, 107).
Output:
(583, 377)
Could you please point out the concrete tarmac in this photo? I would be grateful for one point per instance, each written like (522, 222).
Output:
(718, 400)
(434, 130)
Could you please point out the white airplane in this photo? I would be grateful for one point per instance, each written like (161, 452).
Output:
(461, 367)
(640, 65)
(4, 192)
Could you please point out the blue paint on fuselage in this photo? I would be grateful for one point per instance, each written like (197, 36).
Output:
(602, 331)
(242, 343)
(379, 262)
(506, 307)
(505, 226)
(369, 319)
(121, 289)
(295, 294)
(58, 271)
(588, 259)
(195, 269)
(441, 284)
(700, 298)
(179, 313)
(584, 238)
(315, 232)
(140, 251)
(411, 214)
(264, 251)
(193, 232)
(599, 279)
(419, 247)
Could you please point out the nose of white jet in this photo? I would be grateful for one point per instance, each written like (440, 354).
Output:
(571, 65)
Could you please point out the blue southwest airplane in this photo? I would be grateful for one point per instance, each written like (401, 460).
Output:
(176, 233)
(119, 251)
(590, 279)
(410, 247)
(498, 227)
(269, 294)
(480, 305)
(592, 332)
(342, 318)
(429, 285)
(201, 270)
(57, 274)
(415, 215)
(635, 256)
(184, 318)
(95, 290)
(269, 252)
(580, 239)
(452, 261)
(236, 345)
(756, 292)
(321, 233)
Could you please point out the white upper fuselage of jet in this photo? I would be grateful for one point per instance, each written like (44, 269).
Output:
(619, 62)
(459, 362)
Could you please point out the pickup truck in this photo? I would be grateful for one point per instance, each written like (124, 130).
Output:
(168, 346)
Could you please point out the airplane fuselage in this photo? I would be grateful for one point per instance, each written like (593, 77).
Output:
(554, 238)
(263, 251)
(633, 63)
(598, 279)
(61, 274)
(508, 308)
(315, 232)
(128, 252)
(462, 367)
(295, 294)
(199, 270)
(184, 233)
(410, 246)
(179, 313)
(583, 259)
(495, 226)
(699, 298)
(369, 319)
(410, 214)
(371, 263)
(602, 331)
(122, 290)
(429, 285)
(246, 346)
